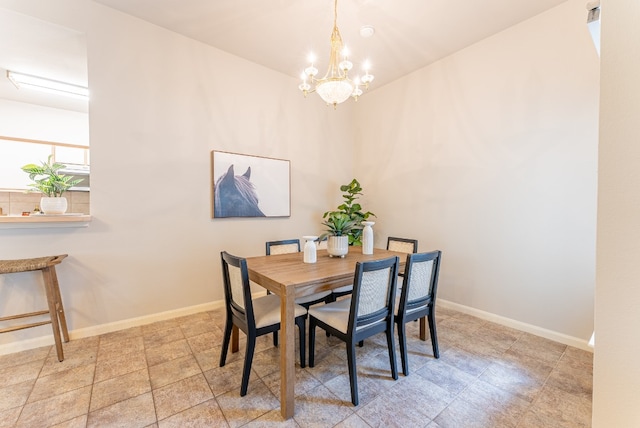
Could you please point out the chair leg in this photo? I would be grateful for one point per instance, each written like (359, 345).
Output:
(392, 351)
(275, 339)
(225, 342)
(402, 338)
(353, 376)
(312, 341)
(248, 359)
(434, 335)
(302, 325)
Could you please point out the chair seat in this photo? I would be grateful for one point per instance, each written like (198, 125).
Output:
(312, 297)
(266, 310)
(343, 289)
(335, 314)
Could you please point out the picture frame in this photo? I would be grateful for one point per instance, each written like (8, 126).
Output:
(249, 186)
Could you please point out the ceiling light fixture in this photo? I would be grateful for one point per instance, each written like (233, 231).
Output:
(21, 80)
(336, 86)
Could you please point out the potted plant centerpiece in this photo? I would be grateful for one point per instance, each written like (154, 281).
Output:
(345, 223)
(338, 225)
(47, 179)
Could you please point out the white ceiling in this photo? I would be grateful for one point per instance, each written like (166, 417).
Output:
(40, 48)
(278, 34)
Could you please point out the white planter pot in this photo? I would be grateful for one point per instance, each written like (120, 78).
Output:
(53, 205)
(338, 246)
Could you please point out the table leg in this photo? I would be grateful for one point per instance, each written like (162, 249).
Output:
(423, 328)
(235, 339)
(287, 352)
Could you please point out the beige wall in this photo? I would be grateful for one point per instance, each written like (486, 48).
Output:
(616, 375)
(160, 103)
(490, 155)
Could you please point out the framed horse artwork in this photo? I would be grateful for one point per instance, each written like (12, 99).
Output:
(250, 186)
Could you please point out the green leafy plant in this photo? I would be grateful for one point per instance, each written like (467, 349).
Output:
(352, 211)
(338, 224)
(48, 180)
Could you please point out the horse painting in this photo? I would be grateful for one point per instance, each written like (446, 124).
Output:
(235, 196)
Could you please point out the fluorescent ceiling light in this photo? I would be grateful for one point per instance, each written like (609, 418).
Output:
(21, 80)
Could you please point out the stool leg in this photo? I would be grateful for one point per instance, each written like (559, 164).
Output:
(51, 300)
(61, 317)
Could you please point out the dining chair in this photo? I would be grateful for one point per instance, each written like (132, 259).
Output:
(255, 317)
(369, 311)
(402, 245)
(418, 299)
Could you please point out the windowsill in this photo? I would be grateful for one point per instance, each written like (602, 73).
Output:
(42, 221)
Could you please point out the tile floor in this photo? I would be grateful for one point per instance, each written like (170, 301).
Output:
(166, 374)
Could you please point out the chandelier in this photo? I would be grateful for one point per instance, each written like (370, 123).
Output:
(336, 86)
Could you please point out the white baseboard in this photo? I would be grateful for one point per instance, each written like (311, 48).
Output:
(22, 345)
(37, 342)
(518, 325)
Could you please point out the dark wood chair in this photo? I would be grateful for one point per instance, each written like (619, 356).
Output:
(255, 317)
(369, 311)
(418, 299)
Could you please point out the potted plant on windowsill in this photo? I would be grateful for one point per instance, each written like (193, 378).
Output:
(47, 179)
(338, 225)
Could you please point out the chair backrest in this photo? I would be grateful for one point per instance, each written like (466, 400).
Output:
(420, 281)
(403, 245)
(237, 293)
(374, 291)
(285, 246)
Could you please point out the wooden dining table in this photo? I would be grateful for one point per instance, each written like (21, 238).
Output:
(287, 276)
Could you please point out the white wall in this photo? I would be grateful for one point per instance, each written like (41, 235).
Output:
(159, 104)
(490, 155)
(616, 372)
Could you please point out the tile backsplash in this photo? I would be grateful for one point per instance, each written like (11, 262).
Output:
(15, 203)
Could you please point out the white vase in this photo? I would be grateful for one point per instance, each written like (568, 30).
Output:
(338, 246)
(49, 205)
(367, 237)
(310, 249)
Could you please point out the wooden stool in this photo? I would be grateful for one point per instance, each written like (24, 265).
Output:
(56, 312)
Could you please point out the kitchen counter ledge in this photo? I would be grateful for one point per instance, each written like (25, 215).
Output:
(44, 221)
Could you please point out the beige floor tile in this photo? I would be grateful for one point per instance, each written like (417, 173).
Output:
(72, 359)
(162, 337)
(467, 361)
(134, 412)
(239, 410)
(119, 388)
(202, 326)
(24, 357)
(22, 373)
(167, 352)
(321, 408)
(445, 376)
(181, 395)
(59, 383)
(558, 408)
(227, 378)
(9, 417)
(77, 422)
(15, 395)
(173, 371)
(114, 348)
(539, 348)
(159, 325)
(353, 421)
(125, 362)
(521, 381)
(207, 414)
(272, 419)
(205, 341)
(56, 409)
(304, 381)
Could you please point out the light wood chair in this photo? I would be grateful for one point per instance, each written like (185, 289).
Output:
(370, 310)
(418, 300)
(57, 319)
(255, 317)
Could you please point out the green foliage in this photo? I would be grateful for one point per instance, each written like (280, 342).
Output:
(48, 180)
(349, 212)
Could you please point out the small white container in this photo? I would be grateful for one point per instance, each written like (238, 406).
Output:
(367, 237)
(310, 254)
